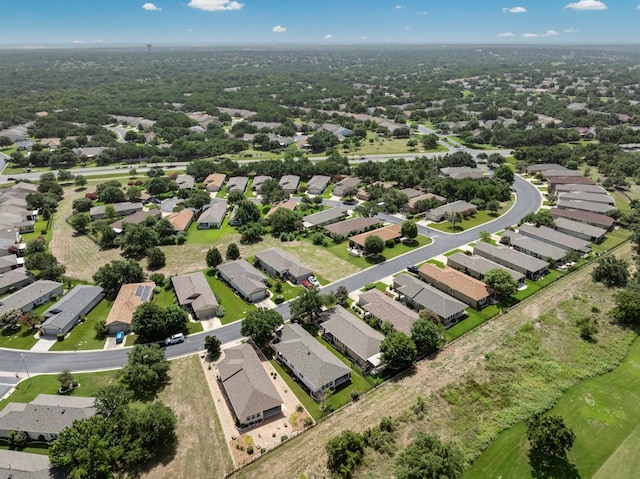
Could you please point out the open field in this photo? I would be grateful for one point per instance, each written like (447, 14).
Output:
(486, 381)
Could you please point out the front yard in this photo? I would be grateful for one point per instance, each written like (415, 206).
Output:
(234, 306)
(480, 218)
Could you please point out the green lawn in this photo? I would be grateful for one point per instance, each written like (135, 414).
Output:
(165, 297)
(340, 250)
(621, 202)
(234, 306)
(41, 225)
(380, 286)
(472, 221)
(552, 276)
(471, 321)
(602, 411)
(531, 289)
(17, 338)
(452, 252)
(83, 336)
(209, 236)
(439, 264)
(613, 239)
(288, 290)
(312, 407)
(326, 194)
(194, 327)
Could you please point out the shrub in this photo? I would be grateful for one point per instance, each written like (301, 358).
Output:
(283, 438)
(390, 243)
(355, 395)
(369, 286)
(18, 439)
(250, 450)
(308, 422)
(220, 312)
(101, 329)
(299, 408)
(278, 299)
(60, 336)
(318, 238)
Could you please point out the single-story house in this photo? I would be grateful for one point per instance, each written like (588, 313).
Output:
(353, 337)
(46, 416)
(288, 204)
(542, 167)
(560, 172)
(246, 280)
(573, 188)
(129, 298)
(313, 364)
(122, 209)
(457, 284)
(233, 216)
(591, 197)
(214, 182)
(27, 465)
(14, 279)
(213, 216)
(346, 228)
(411, 192)
(31, 296)
(181, 220)
(590, 206)
(587, 217)
(89, 151)
(419, 295)
(462, 172)
(532, 267)
(477, 267)
(10, 262)
(387, 233)
(568, 180)
(584, 231)
(345, 185)
(259, 180)
(65, 314)
(194, 294)
(289, 183)
(385, 309)
(556, 238)
(278, 263)
(249, 390)
(324, 217)
(409, 207)
(237, 183)
(317, 184)
(533, 247)
(462, 207)
(186, 182)
(136, 218)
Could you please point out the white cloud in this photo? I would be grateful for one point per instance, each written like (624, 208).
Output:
(364, 37)
(548, 33)
(570, 30)
(586, 5)
(506, 34)
(400, 7)
(514, 10)
(151, 7)
(279, 29)
(422, 13)
(78, 42)
(215, 5)
(328, 36)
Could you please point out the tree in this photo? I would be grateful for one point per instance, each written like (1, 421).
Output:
(398, 350)
(572, 256)
(113, 275)
(409, 230)
(108, 237)
(146, 370)
(112, 398)
(37, 245)
(134, 193)
(549, 435)
(80, 181)
(153, 323)
(272, 192)
(345, 452)
(235, 197)
(156, 258)
(541, 218)
(46, 265)
(308, 304)
(82, 205)
(501, 282)
(112, 194)
(214, 258)
(10, 318)
(627, 307)
(504, 173)
(429, 458)
(79, 222)
(212, 346)
(30, 319)
(233, 252)
(284, 220)
(493, 206)
(341, 294)
(248, 212)
(426, 335)
(251, 233)
(611, 271)
(260, 324)
(373, 245)
(66, 380)
(197, 199)
(137, 239)
(165, 231)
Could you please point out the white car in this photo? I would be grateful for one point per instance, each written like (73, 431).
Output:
(174, 339)
(314, 281)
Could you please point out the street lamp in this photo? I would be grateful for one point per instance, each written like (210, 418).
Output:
(25, 365)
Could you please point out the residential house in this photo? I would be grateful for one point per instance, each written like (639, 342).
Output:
(121, 209)
(587, 217)
(246, 280)
(14, 279)
(213, 183)
(573, 188)
(591, 197)
(410, 206)
(136, 218)
(556, 238)
(249, 390)
(287, 204)
(385, 309)
(46, 416)
(237, 183)
(313, 364)
(561, 172)
(584, 231)
(530, 266)
(129, 297)
(213, 216)
(353, 337)
(542, 167)
(27, 465)
(568, 180)
(461, 207)
(462, 172)
(346, 228)
(31, 296)
(459, 285)
(289, 183)
(589, 206)
(278, 263)
(195, 295)
(234, 220)
(186, 182)
(533, 247)
(317, 184)
(386, 233)
(181, 220)
(477, 267)
(9, 262)
(324, 217)
(258, 181)
(419, 295)
(346, 185)
(88, 151)
(65, 314)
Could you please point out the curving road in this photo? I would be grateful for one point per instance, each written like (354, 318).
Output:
(528, 200)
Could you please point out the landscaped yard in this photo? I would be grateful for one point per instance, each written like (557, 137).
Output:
(83, 336)
(17, 338)
(210, 236)
(234, 306)
(472, 221)
(288, 290)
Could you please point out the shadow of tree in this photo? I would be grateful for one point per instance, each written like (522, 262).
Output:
(551, 467)
(164, 458)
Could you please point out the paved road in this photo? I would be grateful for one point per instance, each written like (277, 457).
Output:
(528, 200)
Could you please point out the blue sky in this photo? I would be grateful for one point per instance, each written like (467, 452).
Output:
(200, 22)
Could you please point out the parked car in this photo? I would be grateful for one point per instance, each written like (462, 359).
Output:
(413, 269)
(314, 281)
(119, 337)
(307, 284)
(174, 339)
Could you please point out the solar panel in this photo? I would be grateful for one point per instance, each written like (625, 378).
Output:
(139, 291)
(146, 293)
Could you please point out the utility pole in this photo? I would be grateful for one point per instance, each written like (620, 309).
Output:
(25, 365)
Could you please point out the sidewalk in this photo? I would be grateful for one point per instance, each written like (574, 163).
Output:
(44, 344)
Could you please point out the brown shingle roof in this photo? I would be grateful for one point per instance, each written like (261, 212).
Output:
(455, 280)
(129, 298)
(386, 309)
(344, 228)
(390, 232)
(181, 220)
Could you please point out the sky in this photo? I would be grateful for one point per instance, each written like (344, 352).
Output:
(337, 22)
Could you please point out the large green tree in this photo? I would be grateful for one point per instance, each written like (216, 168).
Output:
(260, 324)
(409, 229)
(146, 371)
(137, 239)
(429, 458)
(344, 453)
(501, 282)
(213, 258)
(272, 192)
(152, 322)
(627, 307)
(373, 245)
(549, 435)
(113, 275)
(426, 334)
(611, 271)
(308, 305)
(398, 350)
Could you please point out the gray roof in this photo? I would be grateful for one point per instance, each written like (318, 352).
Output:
(581, 215)
(248, 387)
(194, 289)
(512, 257)
(283, 262)
(119, 208)
(214, 213)
(544, 166)
(459, 206)
(343, 228)
(411, 192)
(247, 278)
(318, 182)
(560, 172)
(579, 227)
(481, 265)
(259, 180)
(29, 294)
(428, 297)
(186, 181)
(460, 172)
(385, 308)
(354, 333)
(324, 216)
(14, 276)
(346, 183)
(557, 238)
(136, 218)
(586, 196)
(290, 182)
(23, 465)
(577, 188)
(69, 308)
(237, 183)
(534, 246)
(310, 358)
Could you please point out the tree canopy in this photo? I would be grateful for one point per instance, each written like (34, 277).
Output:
(549, 435)
(429, 458)
(152, 322)
(398, 350)
(611, 271)
(260, 324)
(501, 282)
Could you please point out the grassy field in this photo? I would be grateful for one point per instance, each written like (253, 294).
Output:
(234, 306)
(83, 336)
(602, 412)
